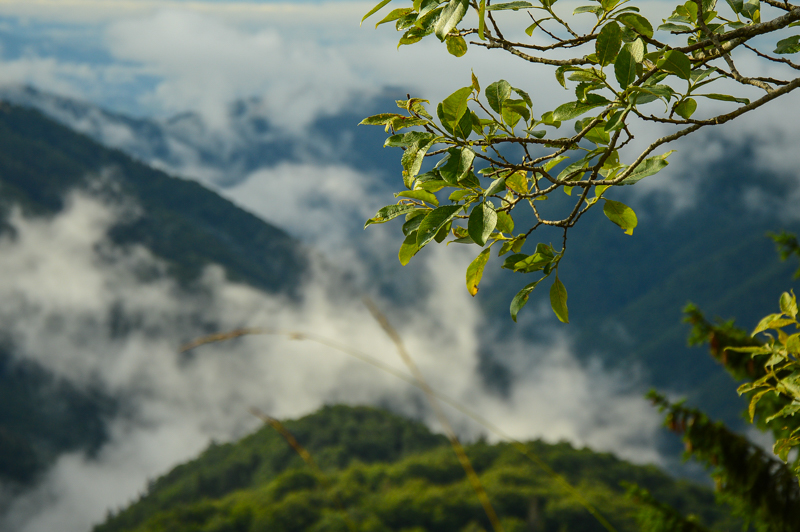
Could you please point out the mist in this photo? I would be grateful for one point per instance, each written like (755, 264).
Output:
(108, 317)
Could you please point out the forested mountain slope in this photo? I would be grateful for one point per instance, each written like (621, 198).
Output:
(380, 472)
(179, 221)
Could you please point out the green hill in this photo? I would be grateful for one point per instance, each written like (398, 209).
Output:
(380, 472)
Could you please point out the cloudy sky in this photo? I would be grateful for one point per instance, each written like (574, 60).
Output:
(305, 60)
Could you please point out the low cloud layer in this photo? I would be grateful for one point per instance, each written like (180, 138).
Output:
(66, 290)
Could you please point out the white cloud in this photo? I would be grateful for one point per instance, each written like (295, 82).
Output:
(62, 282)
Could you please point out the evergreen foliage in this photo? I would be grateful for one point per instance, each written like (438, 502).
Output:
(380, 472)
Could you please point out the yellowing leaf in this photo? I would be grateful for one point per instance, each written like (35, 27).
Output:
(475, 271)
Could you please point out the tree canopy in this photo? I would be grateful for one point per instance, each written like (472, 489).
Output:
(495, 151)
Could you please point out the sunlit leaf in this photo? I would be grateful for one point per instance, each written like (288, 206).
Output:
(458, 165)
(669, 26)
(375, 10)
(482, 20)
(620, 214)
(434, 221)
(676, 62)
(790, 45)
(518, 182)
(608, 43)
(390, 212)
(637, 23)
(510, 5)
(521, 299)
(408, 248)
(505, 223)
(625, 68)
(423, 195)
(558, 300)
(453, 109)
(450, 16)
(686, 108)
(572, 110)
(394, 15)
(597, 10)
(475, 271)
(648, 167)
(482, 221)
(456, 45)
(725, 98)
(497, 93)
(788, 304)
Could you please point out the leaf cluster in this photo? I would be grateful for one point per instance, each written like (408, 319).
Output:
(498, 152)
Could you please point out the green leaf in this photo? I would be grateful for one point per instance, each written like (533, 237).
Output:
(434, 221)
(414, 35)
(497, 93)
(765, 323)
(597, 10)
(413, 220)
(572, 110)
(676, 62)
(521, 299)
(419, 195)
(558, 300)
(408, 248)
(620, 214)
(736, 5)
(380, 119)
(608, 43)
(390, 212)
(442, 233)
(454, 107)
(475, 271)
(648, 167)
(456, 45)
(788, 304)
(637, 23)
(751, 409)
(752, 10)
(451, 15)
(625, 68)
(498, 185)
(375, 10)
(414, 155)
(394, 15)
(516, 6)
(518, 182)
(668, 26)
(482, 20)
(725, 98)
(793, 343)
(617, 120)
(458, 165)
(637, 49)
(513, 110)
(553, 162)
(482, 221)
(404, 140)
(525, 97)
(686, 108)
(505, 223)
(790, 45)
